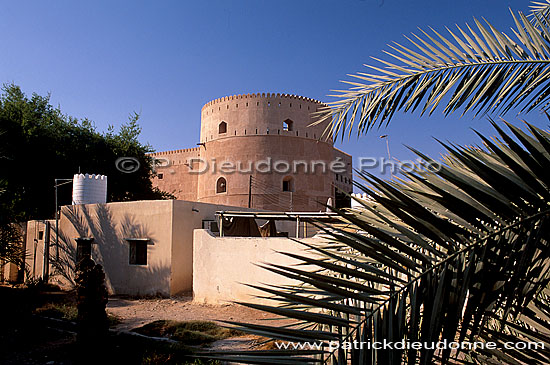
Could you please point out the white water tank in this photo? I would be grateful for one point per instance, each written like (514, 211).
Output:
(355, 203)
(89, 189)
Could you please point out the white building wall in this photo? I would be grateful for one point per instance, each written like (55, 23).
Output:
(222, 265)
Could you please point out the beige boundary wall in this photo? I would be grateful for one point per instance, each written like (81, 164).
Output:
(181, 256)
(110, 225)
(35, 242)
(167, 224)
(221, 266)
(8, 272)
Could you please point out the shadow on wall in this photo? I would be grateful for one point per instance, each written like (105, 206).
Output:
(109, 249)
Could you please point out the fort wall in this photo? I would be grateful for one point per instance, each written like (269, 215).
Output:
(259, 114)
(173, 172)
(242, 130)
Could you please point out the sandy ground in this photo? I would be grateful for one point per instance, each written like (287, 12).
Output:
(137, 312)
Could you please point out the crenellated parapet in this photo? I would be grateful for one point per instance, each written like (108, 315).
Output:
(261, 114)
(184, 150)
(262, 96)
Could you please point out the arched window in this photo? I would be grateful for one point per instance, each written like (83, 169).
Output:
(221, 185)
(287, 125)
(222, 128)
(288, 183)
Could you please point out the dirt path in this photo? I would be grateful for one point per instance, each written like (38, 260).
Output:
(137, 312)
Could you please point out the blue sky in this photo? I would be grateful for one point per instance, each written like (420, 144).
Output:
(103, 60)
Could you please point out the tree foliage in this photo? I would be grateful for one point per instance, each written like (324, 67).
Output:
(39, 144)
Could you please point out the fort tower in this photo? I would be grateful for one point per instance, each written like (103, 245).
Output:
(258, 150)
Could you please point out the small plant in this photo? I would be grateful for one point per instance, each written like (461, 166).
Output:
(189, 333)
(40, 285)
(64, 311)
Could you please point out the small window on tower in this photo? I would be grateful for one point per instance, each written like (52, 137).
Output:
(222, 128)
(288, 184)
(221, 185)
(287, 125)
(160, 176)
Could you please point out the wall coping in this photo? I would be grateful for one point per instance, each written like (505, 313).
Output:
(262, 96)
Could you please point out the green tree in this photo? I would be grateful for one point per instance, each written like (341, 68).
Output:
(458, 253)
(10, 234)
(41, 144)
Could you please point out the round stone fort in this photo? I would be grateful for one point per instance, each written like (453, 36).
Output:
(259, 151)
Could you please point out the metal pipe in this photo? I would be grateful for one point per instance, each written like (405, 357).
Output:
(250, 192)
(46, 268)
(56, 227)
(65, 181)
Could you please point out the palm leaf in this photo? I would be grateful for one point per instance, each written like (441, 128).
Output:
(415, 266)
(539, 10)
(476, 69)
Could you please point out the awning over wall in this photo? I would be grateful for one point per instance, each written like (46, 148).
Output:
(243, 224)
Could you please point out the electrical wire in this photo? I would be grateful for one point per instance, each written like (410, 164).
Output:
(272, 194)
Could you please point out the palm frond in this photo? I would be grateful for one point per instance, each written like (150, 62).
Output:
(478, 69)
(459, 254)
(539, 10)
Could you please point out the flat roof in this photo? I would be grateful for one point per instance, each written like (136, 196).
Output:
(279, 215)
